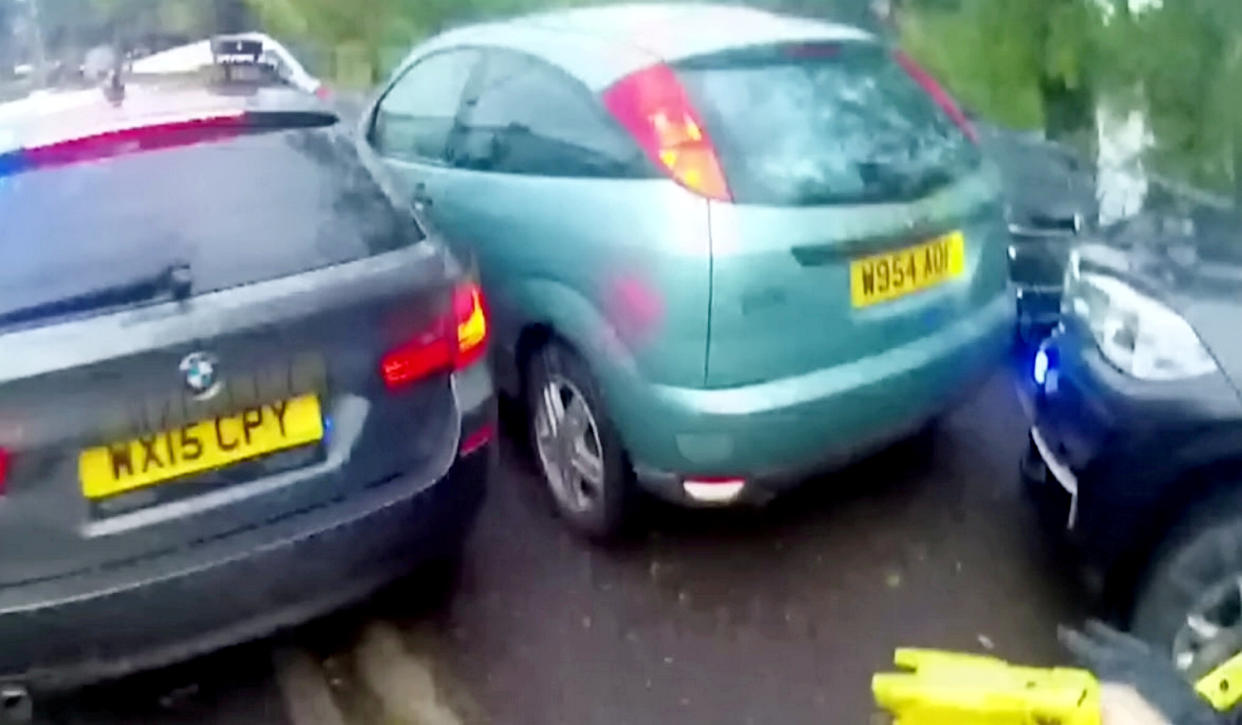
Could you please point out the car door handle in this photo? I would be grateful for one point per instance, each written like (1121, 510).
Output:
(421, 197)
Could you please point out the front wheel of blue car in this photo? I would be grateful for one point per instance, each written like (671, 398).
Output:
(1191, 603)
(576, 448)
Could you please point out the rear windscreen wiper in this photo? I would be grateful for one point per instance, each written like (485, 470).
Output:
(174, 279)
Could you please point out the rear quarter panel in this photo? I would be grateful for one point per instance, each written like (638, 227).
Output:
(619, 268)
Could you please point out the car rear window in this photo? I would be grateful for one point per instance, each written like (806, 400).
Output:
(249, 208)
(824, 124)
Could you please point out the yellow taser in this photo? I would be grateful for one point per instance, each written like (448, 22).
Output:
(945, 688)
(1223, 686)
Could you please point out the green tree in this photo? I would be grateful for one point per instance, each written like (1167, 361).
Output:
(380, 30)
(1181, 64)
(1031, 64)
(1047, 65)
(1021, 63)
(71, 26)
(334, 26)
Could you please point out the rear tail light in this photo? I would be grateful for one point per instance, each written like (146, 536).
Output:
(471, 321)
(938, 94)
(653, 106)
(452, 344)
(4, 469)
(416, 360)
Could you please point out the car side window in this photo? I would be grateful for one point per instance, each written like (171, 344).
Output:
(524, 116)
(417, 113)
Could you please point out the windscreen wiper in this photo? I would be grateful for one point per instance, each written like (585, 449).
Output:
(174, 280)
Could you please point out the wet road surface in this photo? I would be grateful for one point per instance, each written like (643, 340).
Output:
(778, 615)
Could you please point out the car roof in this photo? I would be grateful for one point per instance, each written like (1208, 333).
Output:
(600, 45)
(674, 31)
(194, 56)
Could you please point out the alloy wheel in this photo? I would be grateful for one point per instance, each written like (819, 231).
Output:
(568, 444)
(1211, 632)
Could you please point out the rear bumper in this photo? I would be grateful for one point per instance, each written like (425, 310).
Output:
(775, 433)
(160, 610)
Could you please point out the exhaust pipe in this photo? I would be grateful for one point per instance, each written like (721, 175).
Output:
(16, 706)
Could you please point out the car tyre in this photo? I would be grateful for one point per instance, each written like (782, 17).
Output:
(576, 448)
(1190, 603)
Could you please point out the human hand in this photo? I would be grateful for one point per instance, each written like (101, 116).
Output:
(1137, 686)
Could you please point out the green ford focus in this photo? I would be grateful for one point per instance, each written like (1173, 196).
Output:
(723, 249)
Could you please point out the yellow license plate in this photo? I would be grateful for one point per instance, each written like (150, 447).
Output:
(883, 277)
(203, 446)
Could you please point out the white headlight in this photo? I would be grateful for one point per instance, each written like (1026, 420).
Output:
(1138, 335)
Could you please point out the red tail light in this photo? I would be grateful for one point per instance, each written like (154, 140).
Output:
(451, 344)
(416, 360)
(938, 94)
(470, 319)
(652, 105)
(4, 468)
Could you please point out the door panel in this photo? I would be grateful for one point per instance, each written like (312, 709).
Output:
(635, 251)
(552, 193)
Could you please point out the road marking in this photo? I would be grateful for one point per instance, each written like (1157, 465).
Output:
(303, 687)
(400, 679)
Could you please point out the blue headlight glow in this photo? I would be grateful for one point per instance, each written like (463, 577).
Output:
(1040, 369)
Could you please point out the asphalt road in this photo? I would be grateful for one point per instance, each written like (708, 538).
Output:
(772, 616)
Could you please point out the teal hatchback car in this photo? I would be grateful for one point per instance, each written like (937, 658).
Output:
(722, 248)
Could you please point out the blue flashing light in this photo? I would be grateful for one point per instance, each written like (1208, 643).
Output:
(327, 429)
(1040, 371)
(11, 163)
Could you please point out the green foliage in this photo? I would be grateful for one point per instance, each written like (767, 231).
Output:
(1046, 64)
(1068, 43)
(1181, 64)
(386, 27)
(1004, 58)
(73, 25)
(952, 42)
(1030, 64)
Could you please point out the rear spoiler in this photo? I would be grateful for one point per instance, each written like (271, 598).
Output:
(152, 136)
